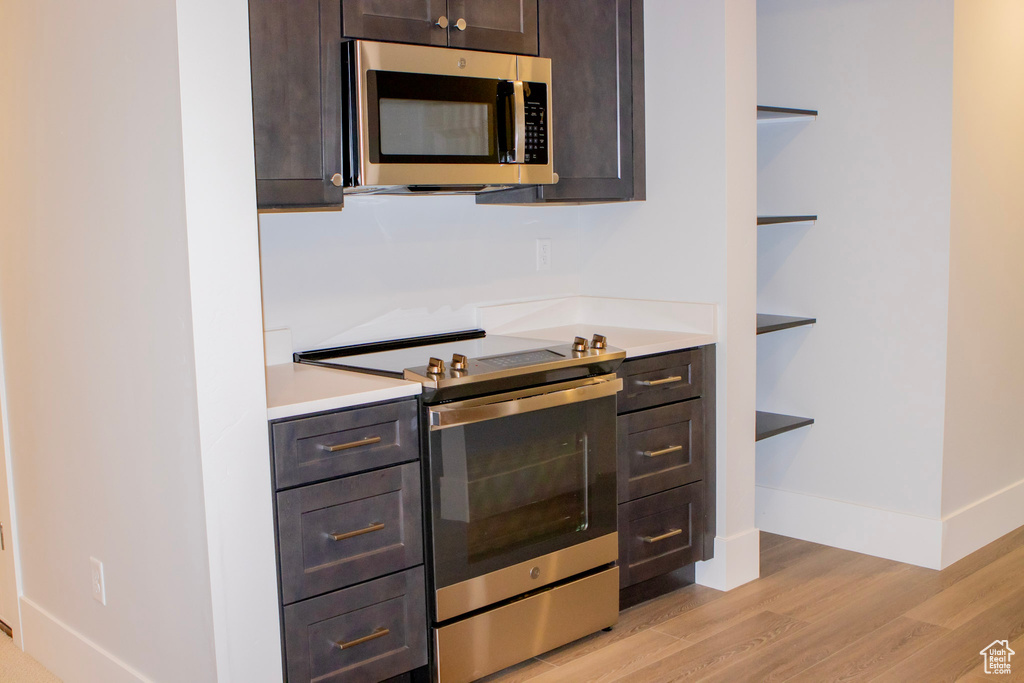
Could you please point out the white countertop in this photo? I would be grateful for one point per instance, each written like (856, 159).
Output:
(633, 341)
(638, 327)
(294, 389)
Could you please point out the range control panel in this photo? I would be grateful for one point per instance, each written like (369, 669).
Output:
(536, 123)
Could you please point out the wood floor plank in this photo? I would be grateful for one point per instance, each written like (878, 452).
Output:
(820, 598)
(614, 661)
(887, 599)
(768, 540)
(957, 653)
(785, 553)
(982, 557)
(636, 620)
(1016, 674)
(737, 644)
(815, 575)
(871, 655)
(973, 595)
(519, 673)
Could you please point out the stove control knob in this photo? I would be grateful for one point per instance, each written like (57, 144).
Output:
(599, 342)
(459, 362)
(435, 366)
(579, 344)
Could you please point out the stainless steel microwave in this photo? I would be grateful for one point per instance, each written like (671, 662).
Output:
(436, 119)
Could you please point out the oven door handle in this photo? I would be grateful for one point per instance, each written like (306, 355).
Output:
(469, 412)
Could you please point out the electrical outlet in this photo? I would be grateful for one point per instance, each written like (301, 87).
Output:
(544, 254)
(99, 586)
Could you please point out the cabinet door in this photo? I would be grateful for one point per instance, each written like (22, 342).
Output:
(660, 533)
(494, 25)
(395, 21)
(597, 118)
(296, 90)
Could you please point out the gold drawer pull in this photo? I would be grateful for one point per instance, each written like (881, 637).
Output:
(376, 526)
(658, 382)
(667, 534)
(352, 444)
(379, 633)
(663, 451)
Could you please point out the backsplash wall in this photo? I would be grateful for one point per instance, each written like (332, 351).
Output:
(388, 267)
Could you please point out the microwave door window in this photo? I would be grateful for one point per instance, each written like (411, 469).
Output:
(429, 119)
(434, 128)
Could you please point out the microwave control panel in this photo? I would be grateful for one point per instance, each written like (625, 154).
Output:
(536, 123)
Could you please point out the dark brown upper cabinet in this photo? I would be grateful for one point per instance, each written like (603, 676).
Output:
(296, 95)
(596, 49)
(492, 25)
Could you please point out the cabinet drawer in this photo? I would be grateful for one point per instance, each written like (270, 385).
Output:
(382, 625)
(655, 380)
(346, 442)
(348, 530)
(660, 533)
(660, 448)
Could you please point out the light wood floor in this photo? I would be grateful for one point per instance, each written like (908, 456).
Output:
(816, 614)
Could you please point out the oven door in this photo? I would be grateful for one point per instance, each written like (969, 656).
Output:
(522, 491)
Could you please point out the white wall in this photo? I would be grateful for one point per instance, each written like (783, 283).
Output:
(224, 277)
(694, 237)
(9, 572)
(403, 266)
(983, 467)
(98, 342)
(875, 166)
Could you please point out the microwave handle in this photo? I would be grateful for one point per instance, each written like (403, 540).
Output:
(519, 133)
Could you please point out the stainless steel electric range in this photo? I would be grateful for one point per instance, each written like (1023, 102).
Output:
(519, 483)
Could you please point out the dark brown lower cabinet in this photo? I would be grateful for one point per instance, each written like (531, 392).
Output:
(350, 546)
(666, 468)
(369, 632)
(660, 533)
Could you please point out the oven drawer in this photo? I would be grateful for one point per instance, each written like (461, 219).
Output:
(381, 624)
(348, 530)
(660, 448)
(665, 378)
(316, 448)
(660, 533)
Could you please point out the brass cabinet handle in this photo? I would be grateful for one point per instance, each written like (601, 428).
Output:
(442, 22)
(337, 180)
(667, 534)
(352, 444)
(657, 382)
(375, 526)
(379, 633)
(461, 24)
(663, 451)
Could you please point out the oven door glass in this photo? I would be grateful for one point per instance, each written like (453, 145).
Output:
(510, 489)
(437, 119)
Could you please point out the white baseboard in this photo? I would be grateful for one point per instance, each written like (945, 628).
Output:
(737, 561)
(882, 533)
(69, 655)
(982, 522)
